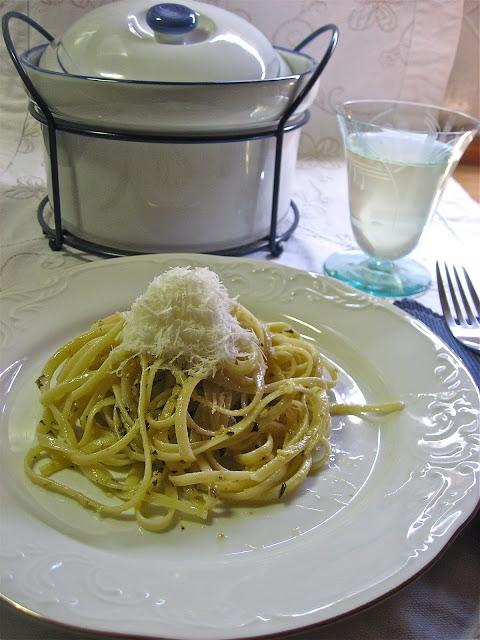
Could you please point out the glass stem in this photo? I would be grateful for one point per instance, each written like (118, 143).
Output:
(385, 266)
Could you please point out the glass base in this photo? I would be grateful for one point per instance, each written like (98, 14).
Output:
(382, 278)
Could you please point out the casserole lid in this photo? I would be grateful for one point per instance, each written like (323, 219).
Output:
(165, 42)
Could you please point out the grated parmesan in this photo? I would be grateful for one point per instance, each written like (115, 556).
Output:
(184, 318)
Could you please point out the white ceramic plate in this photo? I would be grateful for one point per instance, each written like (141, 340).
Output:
(395, 491)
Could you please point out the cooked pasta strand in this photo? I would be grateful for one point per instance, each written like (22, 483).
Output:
(162, 443)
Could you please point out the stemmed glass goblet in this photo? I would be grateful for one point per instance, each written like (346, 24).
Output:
(399, 157)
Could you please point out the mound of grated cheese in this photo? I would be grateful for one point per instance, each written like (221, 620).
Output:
(184, 318)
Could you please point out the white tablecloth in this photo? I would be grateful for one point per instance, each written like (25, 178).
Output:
(320, 192)
(441, 605)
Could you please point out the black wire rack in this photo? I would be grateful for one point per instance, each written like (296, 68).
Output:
(58, 236)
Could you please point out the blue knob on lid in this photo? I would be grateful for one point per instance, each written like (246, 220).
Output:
(171, 18)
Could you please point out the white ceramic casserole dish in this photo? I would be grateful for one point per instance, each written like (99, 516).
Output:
(132, 90)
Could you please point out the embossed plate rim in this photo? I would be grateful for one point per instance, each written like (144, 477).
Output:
(338, 294)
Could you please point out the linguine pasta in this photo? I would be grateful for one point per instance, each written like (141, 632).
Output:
(161, 444)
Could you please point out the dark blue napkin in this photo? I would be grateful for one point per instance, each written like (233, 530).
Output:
(438, 325)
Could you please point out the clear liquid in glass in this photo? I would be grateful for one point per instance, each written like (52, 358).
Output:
(395, 182)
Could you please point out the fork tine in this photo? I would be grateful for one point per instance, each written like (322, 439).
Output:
(453, 295)
(466, 303)
(473, 293)
(443, 296)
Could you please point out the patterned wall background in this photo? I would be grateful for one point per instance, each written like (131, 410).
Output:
(463, 91)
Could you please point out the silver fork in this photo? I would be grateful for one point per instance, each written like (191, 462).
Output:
(461, 306)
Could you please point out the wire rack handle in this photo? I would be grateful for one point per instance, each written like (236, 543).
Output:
(16, 59)
(318, 71)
